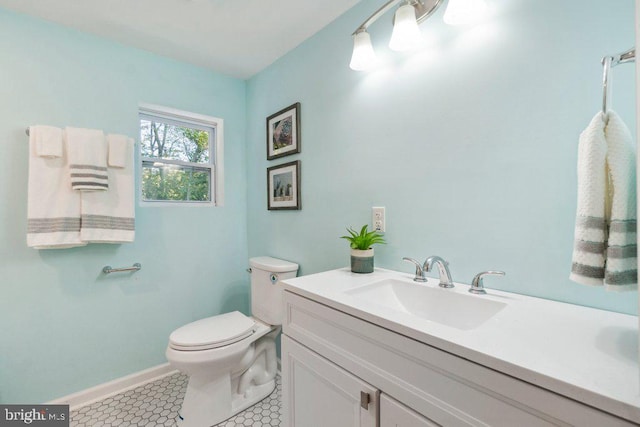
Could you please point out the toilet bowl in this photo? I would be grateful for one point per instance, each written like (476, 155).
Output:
(231, 358)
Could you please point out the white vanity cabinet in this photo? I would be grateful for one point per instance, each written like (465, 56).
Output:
(331, 360)
(319, 393)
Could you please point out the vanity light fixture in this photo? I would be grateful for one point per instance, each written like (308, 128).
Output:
(406, 33)
(363, 55)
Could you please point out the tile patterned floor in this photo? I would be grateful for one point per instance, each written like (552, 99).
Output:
(157, 404)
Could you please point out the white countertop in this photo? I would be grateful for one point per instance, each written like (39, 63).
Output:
(586, 354)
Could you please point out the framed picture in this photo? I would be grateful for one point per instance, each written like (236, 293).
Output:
(283, 132)
(283, 186)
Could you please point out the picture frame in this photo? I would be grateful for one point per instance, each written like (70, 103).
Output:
(283, 132)
(283, 187)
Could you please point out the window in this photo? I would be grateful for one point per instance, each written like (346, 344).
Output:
(181, 158)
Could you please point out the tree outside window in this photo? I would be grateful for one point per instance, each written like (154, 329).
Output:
(176, 160)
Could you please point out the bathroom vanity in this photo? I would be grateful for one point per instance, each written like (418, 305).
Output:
(382, 350)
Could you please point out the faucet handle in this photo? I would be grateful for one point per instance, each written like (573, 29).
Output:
(419, 277)
(477, 285)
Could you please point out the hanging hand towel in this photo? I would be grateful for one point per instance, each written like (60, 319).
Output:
(118, 151)
(621, 269)
(588, 262)
(109, 216)
(48, 140)
(53, 208)
(87, 151)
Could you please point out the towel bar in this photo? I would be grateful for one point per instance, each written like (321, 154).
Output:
(108, 269)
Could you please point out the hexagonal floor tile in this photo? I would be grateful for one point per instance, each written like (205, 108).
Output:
(158, 402)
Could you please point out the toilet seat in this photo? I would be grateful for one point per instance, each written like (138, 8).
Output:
(212, 332)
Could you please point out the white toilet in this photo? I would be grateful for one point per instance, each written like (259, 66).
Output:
(231, 358)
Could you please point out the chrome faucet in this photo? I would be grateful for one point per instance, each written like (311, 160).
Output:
(477, 286)
(443, 270)
(420, 270)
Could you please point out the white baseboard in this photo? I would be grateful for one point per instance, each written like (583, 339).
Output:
(119, 385)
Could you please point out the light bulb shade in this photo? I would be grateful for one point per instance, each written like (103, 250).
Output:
(462, 12)
(406, 34)
(363, 56)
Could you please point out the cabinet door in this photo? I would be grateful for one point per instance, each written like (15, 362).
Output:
(395, 414)
(318, 393)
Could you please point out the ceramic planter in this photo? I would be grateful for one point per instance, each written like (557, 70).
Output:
(362, 261)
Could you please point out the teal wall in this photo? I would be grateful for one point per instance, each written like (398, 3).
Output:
(470, 144)
(63, 326)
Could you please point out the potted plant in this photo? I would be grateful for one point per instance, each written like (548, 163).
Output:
(361, 250)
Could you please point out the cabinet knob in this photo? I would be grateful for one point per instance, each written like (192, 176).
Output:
(364, 400)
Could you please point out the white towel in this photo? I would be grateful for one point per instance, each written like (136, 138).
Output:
(48, 140)
(590, 231)
(118, 150)
(109, 216)
(87, 151)
(53, 208)
(621, 269)
(604, 247)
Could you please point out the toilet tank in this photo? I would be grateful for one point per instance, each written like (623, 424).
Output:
(266, 289)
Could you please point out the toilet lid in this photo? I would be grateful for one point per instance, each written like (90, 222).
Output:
(212, 332)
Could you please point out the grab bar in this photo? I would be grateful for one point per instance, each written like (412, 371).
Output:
(108, 269)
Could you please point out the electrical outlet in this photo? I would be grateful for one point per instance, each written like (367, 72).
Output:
(378, 219)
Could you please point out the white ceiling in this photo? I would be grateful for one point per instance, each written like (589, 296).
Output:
(234, 37)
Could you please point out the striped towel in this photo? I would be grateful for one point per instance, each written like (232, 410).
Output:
(604, 246)
(109, 216)
(621, 271)
(53, 208)
(87, 150)
(590, 231)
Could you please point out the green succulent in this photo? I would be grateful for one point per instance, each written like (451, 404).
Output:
(364, 239)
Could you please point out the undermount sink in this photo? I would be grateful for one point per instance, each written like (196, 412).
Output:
(443, 306)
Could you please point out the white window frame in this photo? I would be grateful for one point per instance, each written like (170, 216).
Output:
(216, 152)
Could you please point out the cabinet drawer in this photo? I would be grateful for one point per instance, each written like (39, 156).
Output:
(445, 388)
